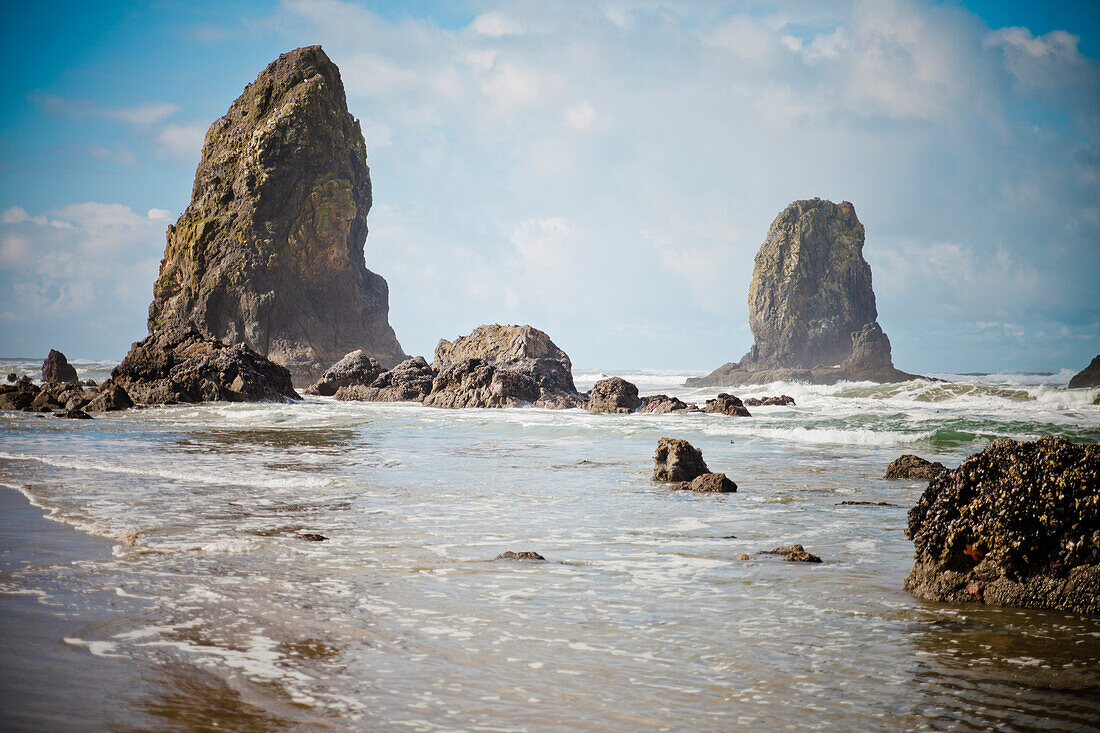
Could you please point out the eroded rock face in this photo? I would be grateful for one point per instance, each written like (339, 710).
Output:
(910, 466)
(355, 368)
(1087, 377)
(661, 403)
(614, 395)
(409, 381)
(57, 369)
(269, 253)
(503, 366)
(1015, 525)
(780, 401)
(677, 460)
(181, 365)
(727, 404)
(811, 287)
(811, 305)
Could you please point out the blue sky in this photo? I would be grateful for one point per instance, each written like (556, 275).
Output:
(603, 170)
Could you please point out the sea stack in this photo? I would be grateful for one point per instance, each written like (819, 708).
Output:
(269, 253)
(811, 305)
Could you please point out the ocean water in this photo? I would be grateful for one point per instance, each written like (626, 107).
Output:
(642, 618)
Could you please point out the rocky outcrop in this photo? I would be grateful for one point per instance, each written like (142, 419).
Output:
(810, 287)
(1015, 525)
(910, 466)
(780, 401)
(57, 369)
(713, 483)
(811, 305)
(793, 553)
(727, 404)
(503, 366)
(269, 253)
(522, 556)
(354, 369)
(662, 403)
(62, 396)
(1087, 377)
(613, 395)
(181, 365)
(409, 381)
(677, 461)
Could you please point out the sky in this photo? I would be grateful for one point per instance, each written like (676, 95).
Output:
(604, 171)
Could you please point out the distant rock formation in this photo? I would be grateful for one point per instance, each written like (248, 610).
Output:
(57, 369)
(661, 404)
(614, 394)
(269, 252)
(1087, 377)
(503, 366)
(811, 305)
(181, 365)
(1015, 525)
(780, 401)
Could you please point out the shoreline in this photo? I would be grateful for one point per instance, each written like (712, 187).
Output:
(36, 656)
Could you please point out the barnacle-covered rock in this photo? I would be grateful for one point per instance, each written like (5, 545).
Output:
(1015, 525)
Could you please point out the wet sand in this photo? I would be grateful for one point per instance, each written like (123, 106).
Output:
(45, 683)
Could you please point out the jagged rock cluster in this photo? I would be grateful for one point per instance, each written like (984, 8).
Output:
(494, 366)
(1015, 525)
(181, 365)
(680, 463)
(811, 305)
(727, 404)
(269, 253)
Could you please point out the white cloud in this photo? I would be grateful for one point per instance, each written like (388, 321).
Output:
(135, 114)
(495, 24)
(511, 86)
(580, 116)
(118, 156)
(161, 215)
(182, 141)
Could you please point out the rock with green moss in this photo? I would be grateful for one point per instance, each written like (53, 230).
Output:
(1015, 525)
(811, 305)
(269, 253)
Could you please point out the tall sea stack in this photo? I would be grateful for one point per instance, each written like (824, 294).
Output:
(270, 250)
(811, 306)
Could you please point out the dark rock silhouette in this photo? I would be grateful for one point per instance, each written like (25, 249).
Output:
(57, 369)
(1015, 525)
(1087, 377)
(269, 253)
(409, 381)
(662, 403)
(715, 483)
(780, 401)
(793, 553)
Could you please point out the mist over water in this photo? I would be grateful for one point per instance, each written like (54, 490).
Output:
(641, 618)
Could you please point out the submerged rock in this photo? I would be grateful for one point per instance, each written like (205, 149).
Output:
(181, 365)
(910, 466)
(727, 404)
(355, 368)
(12, 376)
(677, 460)
(409, 381)
(75, 414)
(56, 369)
(1087, 377)
(269, 252)
(780, 401)
(1015, 525)
(662, 403)
(793, 553)
(503, 366)
(523, 555)
(613, 395)
(709, 483)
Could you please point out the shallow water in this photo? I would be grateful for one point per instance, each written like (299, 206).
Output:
(642, 618)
